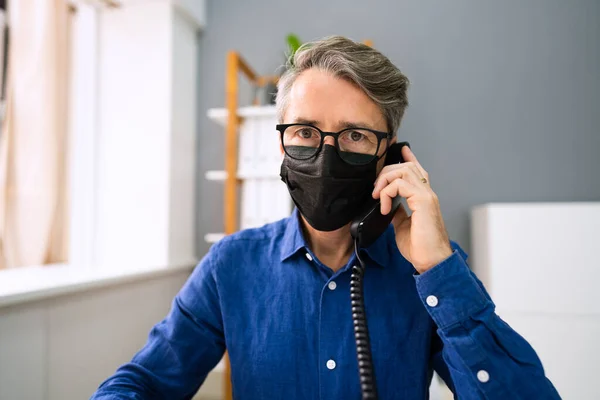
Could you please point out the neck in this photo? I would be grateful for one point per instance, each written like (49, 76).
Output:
(331, 248)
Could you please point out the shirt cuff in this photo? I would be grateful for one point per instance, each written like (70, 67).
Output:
(449, 292)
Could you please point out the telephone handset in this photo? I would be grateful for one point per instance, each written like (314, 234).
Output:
(370, 223)
(365, 229)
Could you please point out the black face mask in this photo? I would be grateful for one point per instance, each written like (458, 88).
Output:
(328, 191)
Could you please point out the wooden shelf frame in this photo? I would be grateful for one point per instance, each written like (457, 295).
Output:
(236, 65)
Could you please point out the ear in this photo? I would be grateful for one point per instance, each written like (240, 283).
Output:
(394, 140)
(280, 148)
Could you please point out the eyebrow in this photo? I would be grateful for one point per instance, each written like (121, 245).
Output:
(343, 124)
(306, 121)
(355, 125)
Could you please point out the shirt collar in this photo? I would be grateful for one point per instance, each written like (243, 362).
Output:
(380, 252)
(293, 237)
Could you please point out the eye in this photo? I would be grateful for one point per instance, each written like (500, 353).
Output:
(356, 136)
(305, 133)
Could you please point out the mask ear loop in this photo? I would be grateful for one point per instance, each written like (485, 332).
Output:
(389, 138)
(383, 154)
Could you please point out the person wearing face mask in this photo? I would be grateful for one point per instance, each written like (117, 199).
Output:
(277, 298)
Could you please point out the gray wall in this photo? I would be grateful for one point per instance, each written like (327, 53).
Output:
(504, 102)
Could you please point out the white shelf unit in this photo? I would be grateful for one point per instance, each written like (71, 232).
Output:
(541, 264)
(264, 197)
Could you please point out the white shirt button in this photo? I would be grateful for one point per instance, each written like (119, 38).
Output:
(332, 285)
(432, 301)
(309, 257)
(330, 364)
(483, 376)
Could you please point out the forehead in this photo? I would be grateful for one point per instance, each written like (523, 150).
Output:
(331, 102)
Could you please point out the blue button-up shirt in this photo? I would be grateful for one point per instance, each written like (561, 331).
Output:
(285, 319)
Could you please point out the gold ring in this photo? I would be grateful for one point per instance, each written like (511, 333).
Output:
(423, 180)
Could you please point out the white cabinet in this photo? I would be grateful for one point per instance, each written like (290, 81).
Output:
(23, 356)
(541, 264)
(63, 344)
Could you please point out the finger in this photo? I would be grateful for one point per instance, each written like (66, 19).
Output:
(391, 172)
(392, 167)
(398, 187)
(409, 156)
(400, 216)
(408, 172)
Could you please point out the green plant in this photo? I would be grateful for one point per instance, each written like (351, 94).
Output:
(293, 44)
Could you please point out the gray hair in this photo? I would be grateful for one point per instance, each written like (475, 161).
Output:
(367, 68)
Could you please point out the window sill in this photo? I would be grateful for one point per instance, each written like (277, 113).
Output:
(22, 285)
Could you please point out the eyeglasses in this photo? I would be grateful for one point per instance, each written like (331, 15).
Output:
(357, 146)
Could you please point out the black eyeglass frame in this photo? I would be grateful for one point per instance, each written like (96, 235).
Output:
(380, 136)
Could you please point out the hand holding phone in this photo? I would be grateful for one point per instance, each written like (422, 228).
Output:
(370, 223)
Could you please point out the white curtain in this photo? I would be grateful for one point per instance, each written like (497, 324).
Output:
(33, 146)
